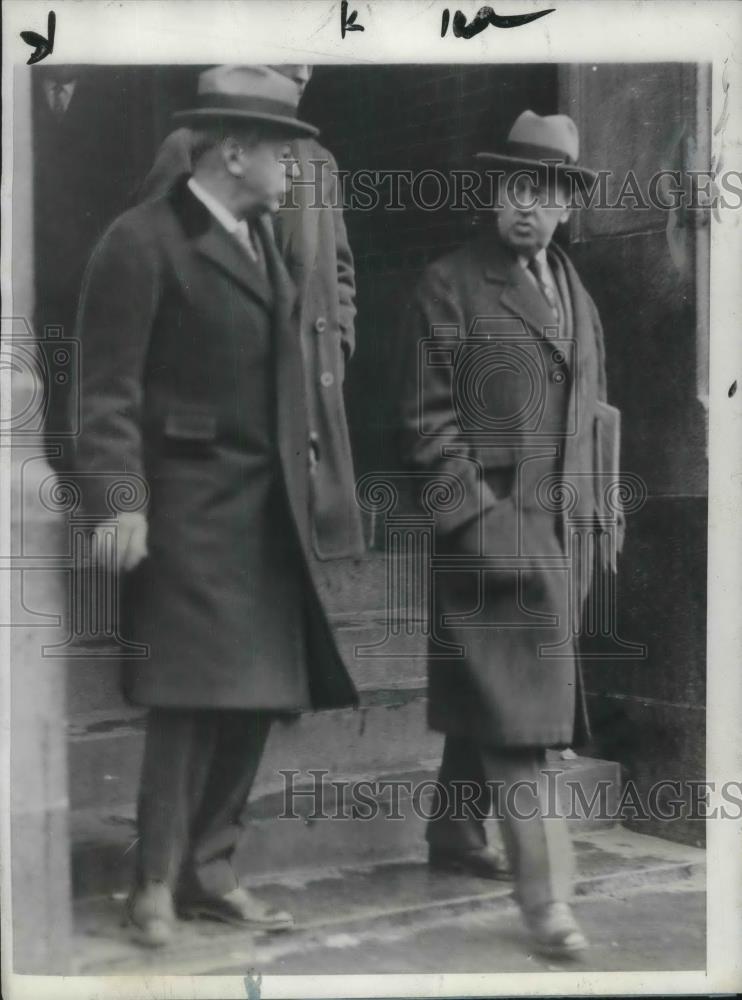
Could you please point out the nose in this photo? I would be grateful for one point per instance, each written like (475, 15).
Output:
(525, 199)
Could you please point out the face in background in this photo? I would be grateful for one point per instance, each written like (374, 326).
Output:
(300, 74)
(532, 208)
(262, 167)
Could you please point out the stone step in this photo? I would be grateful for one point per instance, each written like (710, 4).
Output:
(341, 818)
(105, 747)
(349, 585)
(340, 908)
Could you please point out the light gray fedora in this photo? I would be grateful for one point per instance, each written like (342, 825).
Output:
(257, 94)
(540, 142)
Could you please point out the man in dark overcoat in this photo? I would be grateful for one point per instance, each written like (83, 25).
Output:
(502, 408)
(195, 413)
(312, 239)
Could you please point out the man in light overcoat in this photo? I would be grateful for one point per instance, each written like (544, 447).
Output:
(502, 408)
(195, 398)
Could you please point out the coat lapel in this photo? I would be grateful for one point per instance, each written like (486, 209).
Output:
(299, 225)
(519, 295)
(291, 390)
(209, 239)
(225, 252)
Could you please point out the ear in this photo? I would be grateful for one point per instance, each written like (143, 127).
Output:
(564, 216)
(232, 153)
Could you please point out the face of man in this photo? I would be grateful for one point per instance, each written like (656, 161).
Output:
(532, 208)
(263, 168)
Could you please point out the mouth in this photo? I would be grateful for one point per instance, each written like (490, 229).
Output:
(523, 229)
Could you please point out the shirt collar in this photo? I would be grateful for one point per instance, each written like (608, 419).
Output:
(220, 213)
(66, 91)
(540, 257)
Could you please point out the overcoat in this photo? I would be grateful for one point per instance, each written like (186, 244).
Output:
(311, 235)
(499, 414)
(193, 384)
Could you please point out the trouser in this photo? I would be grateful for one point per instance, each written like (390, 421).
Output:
(536, 839)
(199, 766)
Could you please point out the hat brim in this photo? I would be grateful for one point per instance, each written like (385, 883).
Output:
(292, 127)
(562, 168)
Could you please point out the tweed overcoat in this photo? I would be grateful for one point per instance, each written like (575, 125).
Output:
(311, 235)
(193, 383)
(499, 414)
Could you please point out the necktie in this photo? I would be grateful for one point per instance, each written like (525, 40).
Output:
(242, 235)
(537, 268)
(57, 102)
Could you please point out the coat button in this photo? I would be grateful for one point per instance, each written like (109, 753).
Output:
(320, 324)
(313, 448)
(327, 379)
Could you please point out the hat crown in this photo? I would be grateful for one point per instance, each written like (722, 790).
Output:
(249, 82)
(259, 95)
(552, 133)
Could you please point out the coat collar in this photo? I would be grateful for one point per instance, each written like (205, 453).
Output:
(210, 239)
(299, 222)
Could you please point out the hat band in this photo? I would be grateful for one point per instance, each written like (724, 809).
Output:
(529, 151)
(244, 105)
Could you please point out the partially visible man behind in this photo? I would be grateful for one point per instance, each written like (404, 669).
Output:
(504, 411)
(311, 236)
(194, 396)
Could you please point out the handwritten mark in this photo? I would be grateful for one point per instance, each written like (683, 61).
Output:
(347, 23)
(717, 157)
(732, 389)
(43, 46)
(253, 985)
(483, 18)
(724, 116)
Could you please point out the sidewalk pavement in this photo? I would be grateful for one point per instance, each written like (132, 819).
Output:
(641, 901)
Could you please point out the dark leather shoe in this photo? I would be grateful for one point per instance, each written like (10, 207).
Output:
(238, 907)
(484, 862)
(555, 931)
(150, 914)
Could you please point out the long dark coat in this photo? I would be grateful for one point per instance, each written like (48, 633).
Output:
(194, 381)
(502, 413)
(311, 235)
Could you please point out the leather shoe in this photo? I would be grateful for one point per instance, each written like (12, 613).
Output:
(484, 862)
(237, 907)
(555, 931)
(150, 914)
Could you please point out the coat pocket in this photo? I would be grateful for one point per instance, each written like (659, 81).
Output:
(189, 431)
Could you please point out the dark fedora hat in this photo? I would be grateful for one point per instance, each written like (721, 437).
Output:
(540, 142)
(256, 94)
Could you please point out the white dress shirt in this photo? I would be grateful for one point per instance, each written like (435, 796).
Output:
(59, 95)
(235, 227)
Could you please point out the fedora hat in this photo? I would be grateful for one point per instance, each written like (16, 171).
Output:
(541, 142)
(257, 94)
